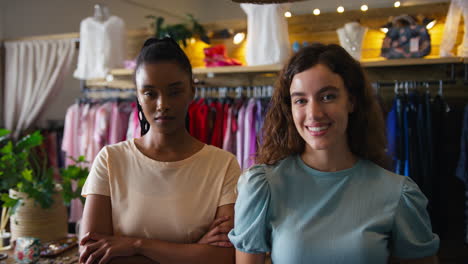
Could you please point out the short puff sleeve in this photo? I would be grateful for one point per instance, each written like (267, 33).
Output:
(98, 178)
(412, 235)
(252, 229)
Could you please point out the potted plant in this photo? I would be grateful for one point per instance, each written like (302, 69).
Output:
(179, 32)
(28, 191)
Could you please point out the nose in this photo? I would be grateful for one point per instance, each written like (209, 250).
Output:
(162, 104)
(315, 111)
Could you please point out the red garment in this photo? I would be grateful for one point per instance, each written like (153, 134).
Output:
(192, 114)
(202, 122)
(217, 135)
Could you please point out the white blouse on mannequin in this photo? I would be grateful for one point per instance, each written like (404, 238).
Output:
(351, 36)
(457, 8)
(102, 47)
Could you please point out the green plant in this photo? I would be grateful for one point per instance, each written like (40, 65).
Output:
(179, 32)
(24, 168)
(74, 173)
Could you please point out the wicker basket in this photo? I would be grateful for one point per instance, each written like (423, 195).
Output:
(30, 220)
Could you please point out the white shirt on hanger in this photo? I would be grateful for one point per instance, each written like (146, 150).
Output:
(267, 34)
(102, 47)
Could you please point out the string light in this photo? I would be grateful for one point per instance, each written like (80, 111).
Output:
(340, 9)
(239, 37)
(287, 14)
(431, 24)
(316, 11)
(397, 4)
(364, 8)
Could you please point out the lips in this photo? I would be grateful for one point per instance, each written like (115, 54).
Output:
(318, 129)
(164, 118)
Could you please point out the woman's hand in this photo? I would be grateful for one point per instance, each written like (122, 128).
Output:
(101, 248)
(217, 234)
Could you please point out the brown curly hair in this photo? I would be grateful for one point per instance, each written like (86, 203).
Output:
(366, 128)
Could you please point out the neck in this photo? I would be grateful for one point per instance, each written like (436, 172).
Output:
(329, 160)
(173, 142)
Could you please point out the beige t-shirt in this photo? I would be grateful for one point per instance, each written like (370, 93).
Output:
(170, 201)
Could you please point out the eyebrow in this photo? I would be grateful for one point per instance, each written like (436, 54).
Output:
(150, 87)
(322, 90)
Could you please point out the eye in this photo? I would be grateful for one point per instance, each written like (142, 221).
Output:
(174, 93)
(149, 94)
(328, 97)
(300, 101)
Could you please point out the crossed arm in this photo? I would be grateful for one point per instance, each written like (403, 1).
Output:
(101, 246)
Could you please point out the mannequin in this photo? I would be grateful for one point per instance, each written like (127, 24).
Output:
(351, 36)
(102, 44)
(101, 12)
(456, 10)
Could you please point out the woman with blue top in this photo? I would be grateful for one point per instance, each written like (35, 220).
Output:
(321, 193)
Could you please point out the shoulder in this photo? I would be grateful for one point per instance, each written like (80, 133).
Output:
(119, 150)
(218, 154)
(373, 172)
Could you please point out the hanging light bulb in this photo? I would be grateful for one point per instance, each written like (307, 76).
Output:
(397, 4)
(316, 11)
(364, 8)
(238, 38)
(384, 30)
(429, 22)
(287, 14)
(340, 9)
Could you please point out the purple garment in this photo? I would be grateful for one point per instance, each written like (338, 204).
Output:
(249, 134)
(259, 122)
(228, 137)
(240, 136)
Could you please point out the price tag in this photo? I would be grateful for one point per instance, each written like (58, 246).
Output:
(414, 44)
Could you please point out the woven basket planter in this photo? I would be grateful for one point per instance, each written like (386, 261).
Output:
(31, 220)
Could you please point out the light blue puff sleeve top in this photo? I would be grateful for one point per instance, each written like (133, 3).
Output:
(360, 215)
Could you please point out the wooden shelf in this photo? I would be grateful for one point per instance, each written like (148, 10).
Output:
(239, 69)
(216, 70)
(367, 63)
(412, 61)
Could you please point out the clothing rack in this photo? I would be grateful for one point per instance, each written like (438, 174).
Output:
(264, 91)
(411, 85)
(105, 94)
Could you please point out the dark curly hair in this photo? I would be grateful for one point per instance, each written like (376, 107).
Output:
(366, 128)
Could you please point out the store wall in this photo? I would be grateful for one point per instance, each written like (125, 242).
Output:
(23, 18)
(225, 9)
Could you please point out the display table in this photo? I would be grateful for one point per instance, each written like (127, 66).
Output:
(68, 257)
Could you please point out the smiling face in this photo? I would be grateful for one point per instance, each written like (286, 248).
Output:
(164, 92)
(320, 106)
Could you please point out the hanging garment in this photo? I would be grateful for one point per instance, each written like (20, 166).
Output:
(240, 136)
(267, 34)
(217, 131)
(392, 134)
(102, 47)
(71, 134)
(249, 134)
(456, 10)
(462, 168)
